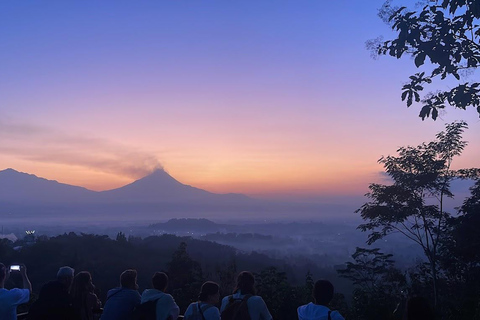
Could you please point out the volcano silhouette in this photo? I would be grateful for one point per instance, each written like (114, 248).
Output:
(159, 186)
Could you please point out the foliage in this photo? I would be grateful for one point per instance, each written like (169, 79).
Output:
(413, 204)
(185, 277)
(281, 298)
(379, 285)
(226, 275)
(460, 260)
(446, 34)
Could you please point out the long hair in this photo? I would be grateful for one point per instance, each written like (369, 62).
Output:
(81, 286)
(245, 283)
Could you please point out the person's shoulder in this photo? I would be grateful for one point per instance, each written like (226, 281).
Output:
(190, 308)
(211, 310)
(18, 291)
(18, 295)
(335, 315)
(134, 293)
(112, 291)
(168, 295)
(255, 299)
(303, 306)
(226, 298)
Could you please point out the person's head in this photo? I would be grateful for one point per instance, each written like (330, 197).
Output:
(65, 276)
(82, 284)
(3, 273)
(160, 281)
(245, 283)
(419, 308)
(128, 279)
(323, 292)
(210, 292)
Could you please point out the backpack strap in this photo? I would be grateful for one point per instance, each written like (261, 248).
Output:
(243, 300)
(203, 309)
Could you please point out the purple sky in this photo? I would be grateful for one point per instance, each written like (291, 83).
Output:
(259, 97)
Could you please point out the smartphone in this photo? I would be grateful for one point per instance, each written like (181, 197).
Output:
(14, 267)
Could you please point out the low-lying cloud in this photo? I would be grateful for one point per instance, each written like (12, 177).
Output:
(47, 145)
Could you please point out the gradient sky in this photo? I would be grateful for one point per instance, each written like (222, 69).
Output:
(270, 98)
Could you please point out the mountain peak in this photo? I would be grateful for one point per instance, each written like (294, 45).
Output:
(9, 170)
(158, 175)
(158, 171)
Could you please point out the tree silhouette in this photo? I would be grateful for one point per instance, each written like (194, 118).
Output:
(443, 40)
(378, 284)
(413, 205)
(185, 277)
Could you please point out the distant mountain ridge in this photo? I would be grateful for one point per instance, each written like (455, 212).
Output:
(157, 187)
(25, 197)
(23, 187)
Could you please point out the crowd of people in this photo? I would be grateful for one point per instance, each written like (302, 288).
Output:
(72, 297)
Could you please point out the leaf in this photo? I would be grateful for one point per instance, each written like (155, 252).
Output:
(425, 112)
(434, 113)
(420, 59)
(417, 97)
(404, 95)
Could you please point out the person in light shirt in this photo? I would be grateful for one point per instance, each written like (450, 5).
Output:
(319, 310)
(10, 299)
(122, 301)
(166, 308)
(205, 307)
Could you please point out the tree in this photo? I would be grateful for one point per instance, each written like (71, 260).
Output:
(185, 277)
(280, 297)
(460, 259)
(121, 237)
(378, 284)
(446, 32)
(413, 205)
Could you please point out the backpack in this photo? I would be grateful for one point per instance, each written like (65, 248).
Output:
(237, 309)
(146, 310)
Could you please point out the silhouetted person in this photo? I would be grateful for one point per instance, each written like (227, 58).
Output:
(418, 308)
(243, 300)
(10, 299)
(205, 308)
(85, 301)
(54, 301)
(322, 295)
(122, 301)
(165, 306)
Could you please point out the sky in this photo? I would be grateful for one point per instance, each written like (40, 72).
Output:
(266, 98)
